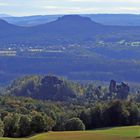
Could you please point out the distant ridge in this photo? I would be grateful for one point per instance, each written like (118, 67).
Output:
(74, 17)
(105, 19)
(66, 30)
(4, 15)
(4, 25)
(73, 46)
(3, 22)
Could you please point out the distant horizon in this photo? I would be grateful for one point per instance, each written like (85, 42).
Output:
(10, 15)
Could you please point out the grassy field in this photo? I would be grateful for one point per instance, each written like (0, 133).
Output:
(118, 133)
(132, 132)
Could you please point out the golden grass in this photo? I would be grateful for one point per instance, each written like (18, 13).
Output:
(118, 133)
(89, 135)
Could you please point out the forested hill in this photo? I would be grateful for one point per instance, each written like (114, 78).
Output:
(67, 30)
(57, 89)
(64, 106)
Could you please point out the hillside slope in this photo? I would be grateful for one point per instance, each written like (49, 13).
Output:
(67, 30)
(106, 19)
(87, 135)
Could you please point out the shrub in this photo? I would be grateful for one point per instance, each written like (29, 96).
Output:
(74, 124)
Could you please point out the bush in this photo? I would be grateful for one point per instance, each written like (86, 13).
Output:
(38, 123)
(24, 126)
(1, 128)
(11, 125)
(74, 124)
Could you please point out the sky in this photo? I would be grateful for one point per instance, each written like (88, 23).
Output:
(49, 7)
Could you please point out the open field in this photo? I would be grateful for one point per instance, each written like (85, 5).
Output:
(119, 133)
(132, 131)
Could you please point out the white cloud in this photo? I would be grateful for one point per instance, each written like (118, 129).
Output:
(32, 7)
(3, 4)
(79, 10)
(107, 1)
(62, 10)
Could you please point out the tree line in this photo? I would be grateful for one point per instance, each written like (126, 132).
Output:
(20, 117)
(35, 104)
(58, 89)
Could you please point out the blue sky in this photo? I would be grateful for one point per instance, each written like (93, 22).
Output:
(45, 7)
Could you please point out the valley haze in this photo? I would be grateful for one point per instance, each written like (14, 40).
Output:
(96, 50)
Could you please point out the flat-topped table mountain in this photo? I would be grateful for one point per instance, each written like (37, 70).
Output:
(66, 30)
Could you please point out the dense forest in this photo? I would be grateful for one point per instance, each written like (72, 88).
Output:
(35, 104)
(58, 89)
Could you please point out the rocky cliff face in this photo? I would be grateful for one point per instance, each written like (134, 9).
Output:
(121, 90)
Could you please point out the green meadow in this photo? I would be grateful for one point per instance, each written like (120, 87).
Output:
(117, 133)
